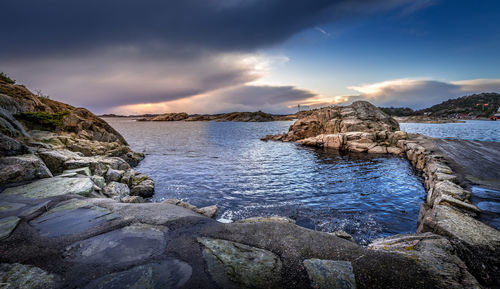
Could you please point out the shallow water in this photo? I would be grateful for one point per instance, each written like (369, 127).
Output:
(225, 163)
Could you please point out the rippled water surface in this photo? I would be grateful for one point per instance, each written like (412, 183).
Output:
(484, 130)
(225, 163)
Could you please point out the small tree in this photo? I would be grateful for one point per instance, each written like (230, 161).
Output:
(5, 78)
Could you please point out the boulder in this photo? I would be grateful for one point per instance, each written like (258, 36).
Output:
(326, 274)
(17, 275)
(113, 175)
(343, 235)
(230, 263)
(115, 189)
(209, 211)
(51, 187)
(144, 189)
(11, 147)
(132, 199)
(55, 159)
(435, 252)
(99, 181)
(22, 168)
(80, 171)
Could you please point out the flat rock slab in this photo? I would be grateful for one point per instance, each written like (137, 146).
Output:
(51, 187)
(20, 209)
(151, 213)
(235, 265)
(14, 276)
(171, 273)
(128, 245)
(478, 159)
(71, 217)
(7, 225)
(327, 274)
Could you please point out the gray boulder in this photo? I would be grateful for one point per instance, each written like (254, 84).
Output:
(14, 276)
(231, 263)
(22, 168)
(11, 147)
(115, 189)
(7, 225)
(327, 274)
(113, 175)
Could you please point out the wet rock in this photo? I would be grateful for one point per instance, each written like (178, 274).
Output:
(115, 189)
(129, 245)
(51, 187)
(22, 168)
(80, 171)
(132, 199)
(325, 274)
(232, 263)
(436, 253)
(209, 211)
(447, 188)
(171, 273)
(14, 276)
(8, 209)
(7, 225)
(113, 175)
(271, 219)
(71, 217)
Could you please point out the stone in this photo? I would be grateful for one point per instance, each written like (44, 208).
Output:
(394, 150)
(98, 164)
(343, 235)
(209, 211)
(171, 273)
(14, 276)
(71, 217)
(144, 189)
(444, 220)
(447, 200)
(8, 209)
(116, 189)
(235, 263)
(180, 204)
(436, 253)
(51, 187)
(378, 150)
(447, 188)
(113, 175)
(21, 168)
(326, 274)
(80, 171)
(132, 199)
(55, 159)
(7, 225)
(99, 181)
(128, 176)
(11, 147)
(271, 219)
(129, 245)
(334, 141)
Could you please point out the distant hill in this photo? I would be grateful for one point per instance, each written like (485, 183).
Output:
(470, 105)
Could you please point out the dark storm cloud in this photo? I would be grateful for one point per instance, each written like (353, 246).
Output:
(259, 96)
(36, 28)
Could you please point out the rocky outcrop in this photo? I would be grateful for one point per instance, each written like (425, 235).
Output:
(257, 116)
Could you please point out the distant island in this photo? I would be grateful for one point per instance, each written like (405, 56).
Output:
(476, 106)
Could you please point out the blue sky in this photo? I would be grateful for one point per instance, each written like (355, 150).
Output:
(242, 55)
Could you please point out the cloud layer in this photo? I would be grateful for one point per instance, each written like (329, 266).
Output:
(420, 93)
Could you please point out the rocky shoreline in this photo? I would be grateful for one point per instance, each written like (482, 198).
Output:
(76, 219)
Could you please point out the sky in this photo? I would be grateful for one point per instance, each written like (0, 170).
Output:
(211, 56)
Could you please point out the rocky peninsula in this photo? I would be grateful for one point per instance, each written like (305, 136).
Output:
(257, 116)
(72, 215)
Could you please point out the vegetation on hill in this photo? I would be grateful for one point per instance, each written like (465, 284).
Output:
(398, 111)
(5, 78)
(483, 105)
(41, 119)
